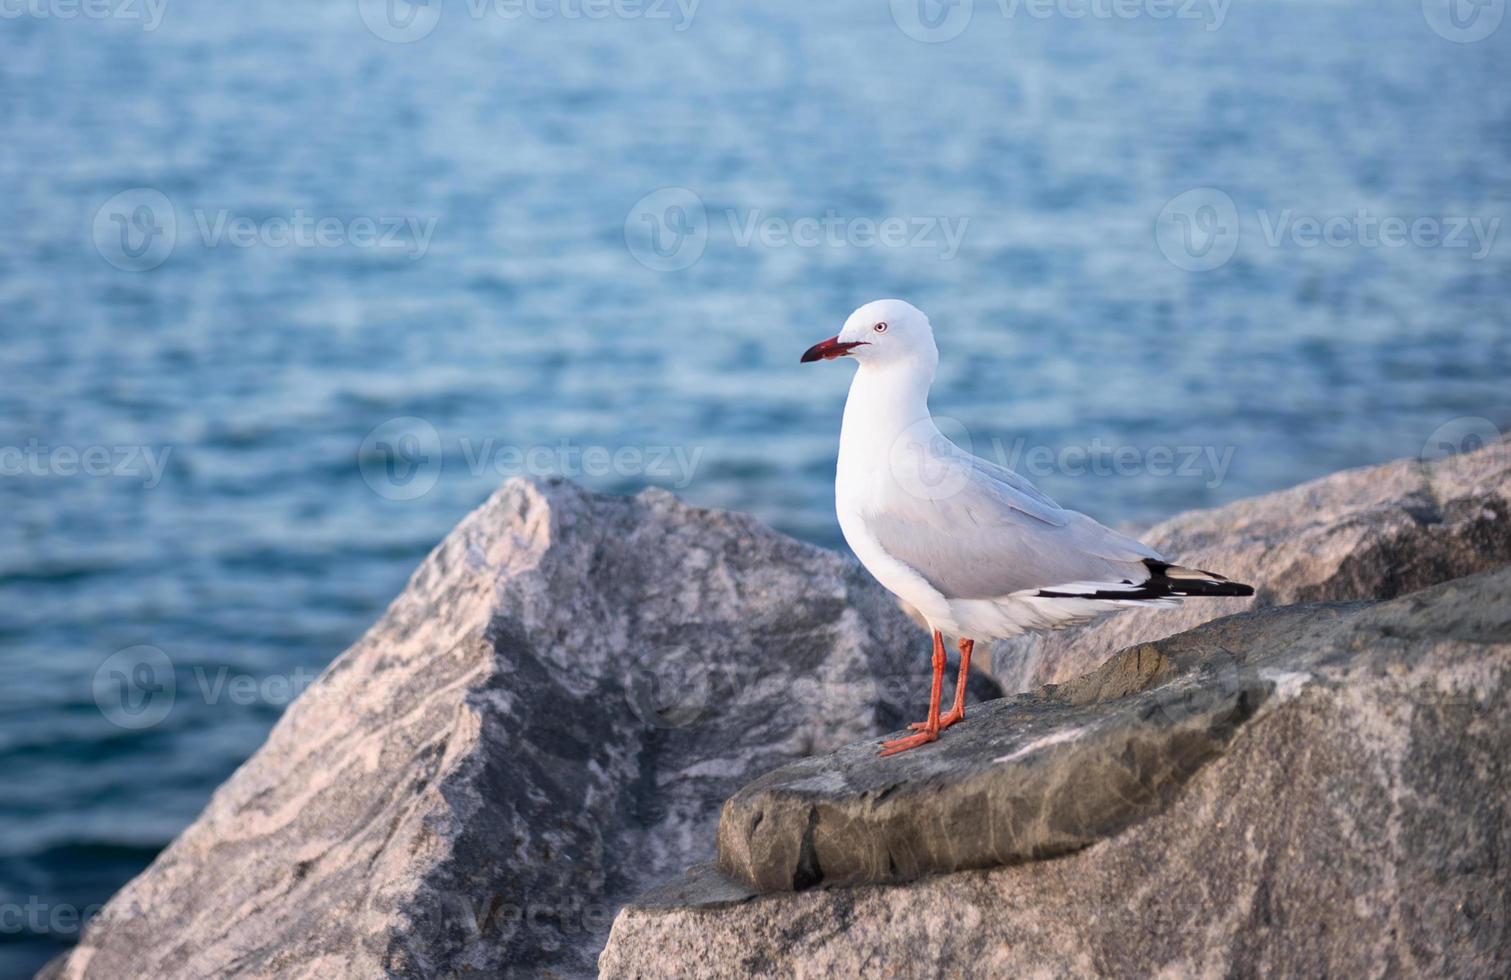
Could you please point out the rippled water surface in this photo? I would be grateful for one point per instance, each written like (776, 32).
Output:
(511, 318)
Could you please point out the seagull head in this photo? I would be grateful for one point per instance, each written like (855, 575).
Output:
(884, 331)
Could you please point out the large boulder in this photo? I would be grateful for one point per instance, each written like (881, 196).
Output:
(1371, 533)
(1025, 777)
(1310, 791)
(542, 725)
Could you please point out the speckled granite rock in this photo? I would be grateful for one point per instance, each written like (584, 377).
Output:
(1358, 823)
(543, 724)
(1371, 533)
(1022, 778)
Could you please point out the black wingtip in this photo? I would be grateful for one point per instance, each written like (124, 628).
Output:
(1179, 581)
(1165, 581)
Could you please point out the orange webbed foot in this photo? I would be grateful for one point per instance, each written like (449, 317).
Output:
(897, 745)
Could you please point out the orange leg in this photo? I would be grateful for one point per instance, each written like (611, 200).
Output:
(957, 713)
(930, 731)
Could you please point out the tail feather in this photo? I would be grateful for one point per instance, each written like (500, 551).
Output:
(1165, 581)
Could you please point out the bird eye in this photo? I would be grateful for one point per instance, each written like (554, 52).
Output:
(880, 328)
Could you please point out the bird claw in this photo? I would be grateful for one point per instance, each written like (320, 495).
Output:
(897, 745)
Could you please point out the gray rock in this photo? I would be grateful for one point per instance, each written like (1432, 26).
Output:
(543, 724)
(1356, 823)
(1371, 533)
(1021, 778)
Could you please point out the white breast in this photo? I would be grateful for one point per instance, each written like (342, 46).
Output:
(875, 418)
(897, 577)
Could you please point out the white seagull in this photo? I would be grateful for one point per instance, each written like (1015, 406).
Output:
(978, 550)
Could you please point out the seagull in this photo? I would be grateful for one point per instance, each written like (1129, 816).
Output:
(975, 548)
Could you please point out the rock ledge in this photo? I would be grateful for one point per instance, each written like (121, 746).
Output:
(1349, 814)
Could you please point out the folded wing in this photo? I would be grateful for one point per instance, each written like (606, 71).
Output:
(980, 531)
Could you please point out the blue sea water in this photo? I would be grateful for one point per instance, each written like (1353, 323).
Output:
(599, 245)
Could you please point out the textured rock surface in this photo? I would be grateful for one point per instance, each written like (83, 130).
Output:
(1021, 778)
(543, 724)
(1358, 824)
(1371, 533)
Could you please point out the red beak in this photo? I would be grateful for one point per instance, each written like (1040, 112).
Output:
(828, 350)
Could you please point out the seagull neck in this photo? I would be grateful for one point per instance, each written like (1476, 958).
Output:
(885, 400)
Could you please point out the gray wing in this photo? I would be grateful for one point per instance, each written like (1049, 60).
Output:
(1014, 491)
(986, 532)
